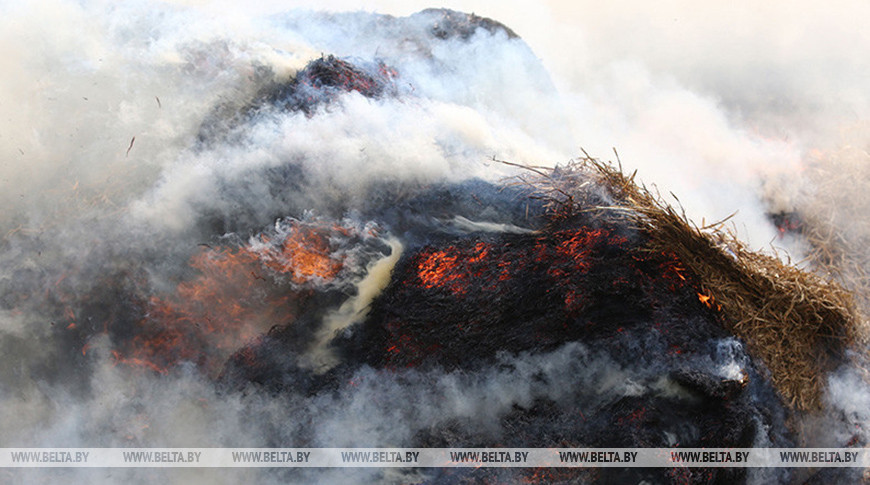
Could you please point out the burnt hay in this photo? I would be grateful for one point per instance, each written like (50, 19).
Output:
(797, 323)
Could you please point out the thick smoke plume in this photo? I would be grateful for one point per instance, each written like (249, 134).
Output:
(198, 199)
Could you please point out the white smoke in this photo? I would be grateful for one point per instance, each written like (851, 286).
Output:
(373, 407)
(102, 104)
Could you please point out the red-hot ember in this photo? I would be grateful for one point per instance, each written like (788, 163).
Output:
(446, 269)
(454, 268)
(539, 289)
(487, 275)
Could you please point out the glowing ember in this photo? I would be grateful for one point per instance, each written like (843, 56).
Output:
(304, 255)
(443, 269)
(236, 295)
(557, 284)
(564, 253)
(556, 264)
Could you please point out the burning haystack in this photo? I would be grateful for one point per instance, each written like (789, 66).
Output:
(796, 322)
(608, 286)
(321, 260)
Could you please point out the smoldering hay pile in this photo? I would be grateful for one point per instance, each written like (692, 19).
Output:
(797, 322)
(293, 280)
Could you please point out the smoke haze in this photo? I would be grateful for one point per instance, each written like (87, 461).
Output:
(128, 148)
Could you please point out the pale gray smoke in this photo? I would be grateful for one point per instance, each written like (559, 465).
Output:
(105, 173)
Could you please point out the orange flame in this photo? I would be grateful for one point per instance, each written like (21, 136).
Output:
(709, 301)
(305, 255)
(232, 299)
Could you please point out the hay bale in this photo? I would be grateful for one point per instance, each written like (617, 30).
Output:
(797, 323)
